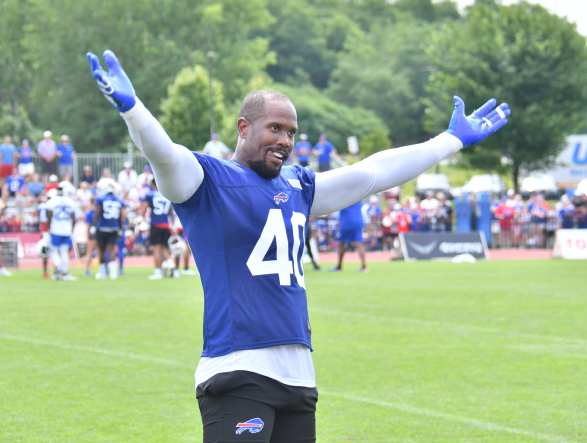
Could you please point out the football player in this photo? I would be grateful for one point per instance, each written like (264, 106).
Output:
(109, 216)
(245, 221)
(158, 209)
(62, 213)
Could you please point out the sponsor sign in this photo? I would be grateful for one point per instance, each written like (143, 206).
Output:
(9, 253)
(571, 164)
(27, 242)
(571, 244)
(445, 245)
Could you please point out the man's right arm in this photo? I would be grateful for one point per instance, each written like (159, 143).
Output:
(176, 169)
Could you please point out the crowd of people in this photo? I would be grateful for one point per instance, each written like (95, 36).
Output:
(24, 191)
(49, 203)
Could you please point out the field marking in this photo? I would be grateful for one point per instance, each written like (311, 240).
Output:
(92, 349)
(451, 326)
(472, 422)
(486, 426)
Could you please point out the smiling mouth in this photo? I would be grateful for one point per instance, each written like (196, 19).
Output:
(277, 156)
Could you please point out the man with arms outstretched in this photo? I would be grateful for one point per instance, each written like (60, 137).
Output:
(245, 220)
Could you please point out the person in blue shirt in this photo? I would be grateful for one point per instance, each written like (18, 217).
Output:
(158, 210)
(325, 152)
(109, 218)
(90, 219)
(350, 232)
(245, 220)
(25, 159)
(8, 156)
(303, 150)
(65, 157)
(14, 183)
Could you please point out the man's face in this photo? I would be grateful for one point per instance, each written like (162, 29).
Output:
(268, 141)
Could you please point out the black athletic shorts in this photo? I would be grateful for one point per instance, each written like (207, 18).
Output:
(159, 236)
(244, 406)
(105, 238)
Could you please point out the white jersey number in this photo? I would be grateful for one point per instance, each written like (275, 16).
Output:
(111, 209)
(161, 205)
(282, 266)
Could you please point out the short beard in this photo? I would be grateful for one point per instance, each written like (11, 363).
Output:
(261, 168)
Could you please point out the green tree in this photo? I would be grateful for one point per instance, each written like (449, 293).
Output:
(186, 110)
(318, 114)
(387, 71)
(521, 54)
(14, 121)
(15, 73)
(153, 39)
(307, 41)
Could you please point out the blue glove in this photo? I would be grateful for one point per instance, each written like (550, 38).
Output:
(114, 84)
(480, 124)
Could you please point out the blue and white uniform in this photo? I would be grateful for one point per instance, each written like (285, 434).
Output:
(351, 223)
(246, 233)
(110, 214)
(63, 213)
(160, 209)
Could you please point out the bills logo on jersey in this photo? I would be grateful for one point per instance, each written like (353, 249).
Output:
(253, 425)
(280, 198)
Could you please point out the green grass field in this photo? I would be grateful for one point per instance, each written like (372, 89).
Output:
(409, 352)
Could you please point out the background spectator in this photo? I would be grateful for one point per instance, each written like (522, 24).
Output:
(66, 156)
(303, 150)
(216, 148)
(25, 159)
(88, 175)
(7, 158)
(325, 152)
(127, 178)
(47, 150)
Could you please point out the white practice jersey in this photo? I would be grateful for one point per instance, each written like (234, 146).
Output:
(64, 210)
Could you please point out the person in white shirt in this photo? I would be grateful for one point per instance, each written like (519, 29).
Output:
(127, 178)
(216, 148)
(62, 212)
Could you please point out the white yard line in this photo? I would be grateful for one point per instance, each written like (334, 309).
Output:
(402, 407)
(448, 326)
(472, 422)
(91, 349)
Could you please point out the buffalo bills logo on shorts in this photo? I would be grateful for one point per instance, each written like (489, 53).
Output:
(282, 197)
(253, 425)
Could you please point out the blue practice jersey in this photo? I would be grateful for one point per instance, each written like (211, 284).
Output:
(351, 217)
(160, 208)
(247, 236)
(109, 219)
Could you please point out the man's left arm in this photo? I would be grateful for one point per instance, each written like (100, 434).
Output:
(339, 188)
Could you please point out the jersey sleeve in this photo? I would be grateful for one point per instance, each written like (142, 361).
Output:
(308, 179)
(212, 168)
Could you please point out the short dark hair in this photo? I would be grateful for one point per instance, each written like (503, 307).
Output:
(253, 105)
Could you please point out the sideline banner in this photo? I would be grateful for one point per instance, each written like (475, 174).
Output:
(571, 244)
(442, 245)
(9, 253)
(27, 242)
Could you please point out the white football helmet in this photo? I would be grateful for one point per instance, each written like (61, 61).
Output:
(177, 245)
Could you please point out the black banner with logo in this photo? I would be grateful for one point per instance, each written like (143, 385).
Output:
(437, 245)
(9, 253)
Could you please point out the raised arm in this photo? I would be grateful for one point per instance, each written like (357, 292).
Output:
(176, 169)
(339, 188)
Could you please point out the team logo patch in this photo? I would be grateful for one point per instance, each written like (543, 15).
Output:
(252, 425)
(280, 198)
